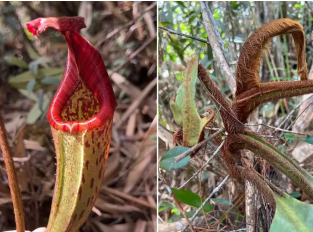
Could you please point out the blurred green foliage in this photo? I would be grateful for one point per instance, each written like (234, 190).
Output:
(36, 75)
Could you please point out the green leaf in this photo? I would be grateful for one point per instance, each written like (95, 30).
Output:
(30, 86)
(33, 66)
(35, 112)
(190, 198)
(31, 52)
(33, 115)
(308, 139)
(31, 96)
(295, 194)
(292, 215)
(15, 61)
(21, 81)
(290, 136)
(163, 206)
(168, 159)
(51, 80)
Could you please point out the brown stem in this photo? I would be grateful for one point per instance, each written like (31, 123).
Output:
(247, 76)
(283, 163)
(231, 123)
(15, 192)
(247, 101)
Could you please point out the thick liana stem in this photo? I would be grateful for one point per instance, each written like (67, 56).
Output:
(246, 102)
(250, 92)
(231, 123)
(247, 75)
(13, 183)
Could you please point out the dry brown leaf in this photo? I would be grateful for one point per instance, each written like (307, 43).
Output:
(146, 154)
(149, 21)
(131, 125)
(133, 91)
(140, 226)
(115, 208)
(115, 228)
(113, 167)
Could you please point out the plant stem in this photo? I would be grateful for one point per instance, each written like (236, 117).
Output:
(13, 183)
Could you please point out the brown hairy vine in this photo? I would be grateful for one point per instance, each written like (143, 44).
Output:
(251, 93)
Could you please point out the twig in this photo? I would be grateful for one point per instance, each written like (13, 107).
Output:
(206, 200)
(221, 42)
(243, 229)
(119, 29)
(277, 129)
(13, 183)
(128, 197)
(192, 149)
(309, 7)
(17, 159)
(135, 53)
(279, 138)
(181, 34)
(298, 116)
(206, 163)
(177, 203)
(219, 55)
(291, 112)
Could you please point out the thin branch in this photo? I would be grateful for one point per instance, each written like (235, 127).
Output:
(291, 112)
(309, 7)
(297, 118)
(134, 54)
(277, 129)
(206, 163)
(194, 148)
(206, 200)
(13, 183)
(119, 29)
(219, 38)
(243, 229)
(218, 53)
(181, 34)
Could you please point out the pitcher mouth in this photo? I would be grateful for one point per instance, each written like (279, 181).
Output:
(84, 65)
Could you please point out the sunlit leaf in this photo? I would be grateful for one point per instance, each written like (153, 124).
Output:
(292, 215)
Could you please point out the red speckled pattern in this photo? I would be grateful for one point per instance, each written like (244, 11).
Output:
(84, 65)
